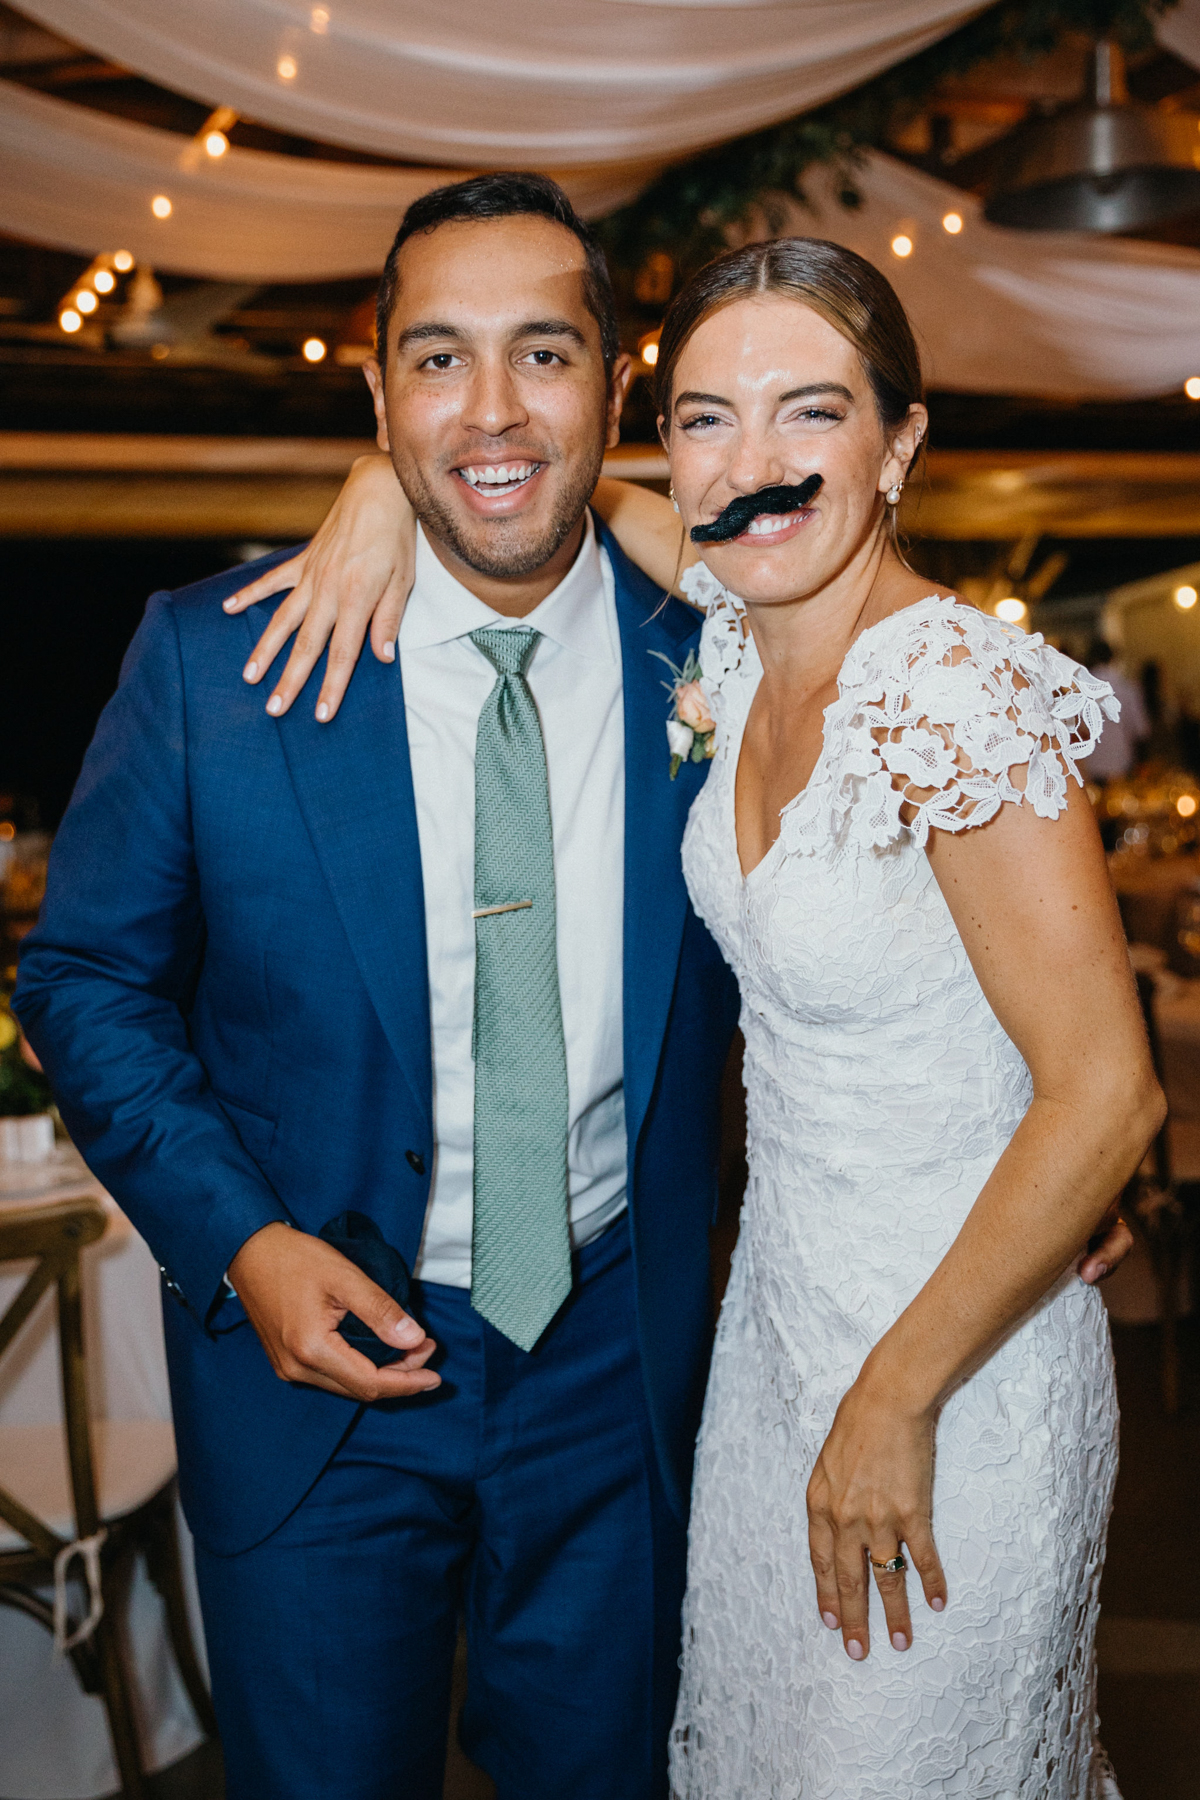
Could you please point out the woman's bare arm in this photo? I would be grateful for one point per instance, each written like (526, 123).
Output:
(357, 571)
(1032, 902)
(648, 529)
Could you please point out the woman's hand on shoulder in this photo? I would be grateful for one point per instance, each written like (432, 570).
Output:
(356, 573)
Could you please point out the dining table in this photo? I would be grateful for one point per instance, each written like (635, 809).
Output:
(54, 1742)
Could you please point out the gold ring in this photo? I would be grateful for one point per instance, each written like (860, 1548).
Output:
(895, 1565)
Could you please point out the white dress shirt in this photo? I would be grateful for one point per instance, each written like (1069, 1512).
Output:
(575, 678)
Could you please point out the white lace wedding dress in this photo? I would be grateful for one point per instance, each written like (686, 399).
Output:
(881, 1091)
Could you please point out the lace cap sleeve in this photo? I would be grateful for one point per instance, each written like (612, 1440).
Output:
(940, 703)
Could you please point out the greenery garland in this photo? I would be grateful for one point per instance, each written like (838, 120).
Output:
(685, 214)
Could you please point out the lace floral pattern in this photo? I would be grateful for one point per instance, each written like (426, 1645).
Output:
(881, 1091)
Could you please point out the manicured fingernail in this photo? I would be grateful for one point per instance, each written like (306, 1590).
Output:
(855, 1650)
(322, 712)
(938, 1604)
(250, 671)
(407, 1331)
(389, 651)
(274, 706)
(899, 1641)
(231, 603)
(831, 1619)
(1101, 1271)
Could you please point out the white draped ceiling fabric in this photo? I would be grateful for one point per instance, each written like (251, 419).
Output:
(999, 311)
(534, 84)
(602, 93)
(84, 180)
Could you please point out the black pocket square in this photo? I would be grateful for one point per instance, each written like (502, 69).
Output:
(360, 1239)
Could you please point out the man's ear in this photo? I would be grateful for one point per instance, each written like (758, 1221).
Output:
(374, 375)
(618, 389)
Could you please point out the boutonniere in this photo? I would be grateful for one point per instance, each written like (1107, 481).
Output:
(691, 728)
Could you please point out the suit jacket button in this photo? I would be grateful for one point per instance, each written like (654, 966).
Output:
(416, 1161)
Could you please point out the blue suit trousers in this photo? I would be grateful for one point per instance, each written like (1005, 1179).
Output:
(523, 1497)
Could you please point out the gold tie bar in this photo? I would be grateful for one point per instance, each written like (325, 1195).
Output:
(485, 912)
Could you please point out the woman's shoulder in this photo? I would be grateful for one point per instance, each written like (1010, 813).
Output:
(955, 662)
(940, 702)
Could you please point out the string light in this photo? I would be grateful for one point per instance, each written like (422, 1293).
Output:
(902, 245)
(86, 301)
(161, 207)
(952, 223)
(104, 281)
(1011, 610)
(216, 143)
(69, 319)
(1191, 387)
(319, 20)
(314, 350)
(285, 68)
(1185, 806)
(122, 261)
(1184, 598)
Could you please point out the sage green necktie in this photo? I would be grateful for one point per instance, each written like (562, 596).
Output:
(520, 1243)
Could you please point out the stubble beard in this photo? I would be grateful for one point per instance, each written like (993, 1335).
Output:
(511, 549)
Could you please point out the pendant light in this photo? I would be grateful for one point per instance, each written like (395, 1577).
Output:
(1104, 164)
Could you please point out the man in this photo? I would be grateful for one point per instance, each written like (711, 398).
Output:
(433, 962)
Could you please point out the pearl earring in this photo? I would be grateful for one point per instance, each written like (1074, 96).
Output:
(893, 494)
(674, 501)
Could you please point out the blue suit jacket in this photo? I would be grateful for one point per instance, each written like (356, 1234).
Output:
(228, 987)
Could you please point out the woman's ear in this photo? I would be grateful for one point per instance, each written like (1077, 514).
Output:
(903, 447)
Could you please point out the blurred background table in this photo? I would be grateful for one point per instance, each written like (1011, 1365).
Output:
(54, 1744)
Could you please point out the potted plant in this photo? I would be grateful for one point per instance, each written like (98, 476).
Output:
(26, 1103)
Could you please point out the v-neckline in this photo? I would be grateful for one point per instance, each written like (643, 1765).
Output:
(746, 876)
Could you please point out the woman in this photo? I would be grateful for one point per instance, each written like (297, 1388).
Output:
(947, 1084)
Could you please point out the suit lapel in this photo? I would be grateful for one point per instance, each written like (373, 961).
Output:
(656, 810)
(353, 780)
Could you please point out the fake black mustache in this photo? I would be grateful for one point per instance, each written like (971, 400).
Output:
(738, 514)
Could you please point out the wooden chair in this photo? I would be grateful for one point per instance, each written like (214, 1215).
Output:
(87, 1491)
(1161, 1208)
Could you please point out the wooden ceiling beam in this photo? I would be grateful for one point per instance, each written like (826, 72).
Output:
(127, 485)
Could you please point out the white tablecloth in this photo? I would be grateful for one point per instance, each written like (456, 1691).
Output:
(54, 1741)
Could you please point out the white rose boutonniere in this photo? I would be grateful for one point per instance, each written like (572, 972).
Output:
(691, 729)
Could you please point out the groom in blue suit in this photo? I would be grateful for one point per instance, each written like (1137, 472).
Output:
(433, 963)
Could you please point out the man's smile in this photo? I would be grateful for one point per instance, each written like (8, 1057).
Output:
(499, 489)
(495, 479)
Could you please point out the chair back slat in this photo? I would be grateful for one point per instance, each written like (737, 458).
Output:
(47, 1543)
(42, 1276)
(54, 1234)
(75, 1401)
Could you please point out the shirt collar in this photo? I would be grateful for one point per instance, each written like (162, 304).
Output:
(573, 615)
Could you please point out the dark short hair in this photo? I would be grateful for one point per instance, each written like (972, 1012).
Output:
(504, 197)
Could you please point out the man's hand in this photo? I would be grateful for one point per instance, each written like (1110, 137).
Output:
(297, 1289)
(1110, 1245)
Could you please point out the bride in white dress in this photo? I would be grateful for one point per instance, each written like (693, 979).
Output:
(947, 1080)
(947, 1083)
